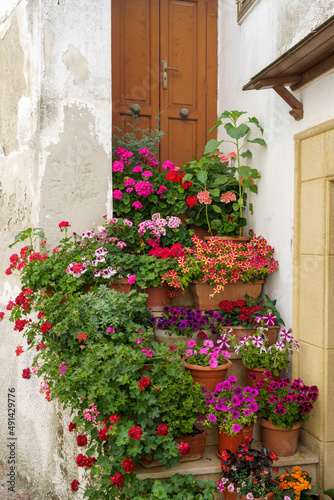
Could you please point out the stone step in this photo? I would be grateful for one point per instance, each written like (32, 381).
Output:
(208, 467)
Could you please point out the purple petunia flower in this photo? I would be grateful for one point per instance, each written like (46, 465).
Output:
(253, 407)
(236, 428)
(212, 418)
(235, 415)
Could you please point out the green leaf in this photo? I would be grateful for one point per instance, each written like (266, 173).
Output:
(236, 132)
(247, 183)
(250, 208)
(187, 177)
(126, 198)
(236, 207)
(246, 154)
(262, 142)
(221, 180)
(254, 188)
(211, 146)
(256, 122)
(214, 192)
(217, 209)
(202, 176)
(244, 171)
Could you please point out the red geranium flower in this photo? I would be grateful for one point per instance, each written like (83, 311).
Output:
(26, 373)
(128, 465)
(72, 426)
(75, 485)
(103, 434)
(117, 479)
(81, 440)
(162, 430)
(63, 224)
(114, 418)
(184, 448)
(144, 382)
(135, 432)
(191, 201)
(19, 350)
(45, 327)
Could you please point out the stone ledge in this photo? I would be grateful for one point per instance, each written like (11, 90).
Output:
(210, 464)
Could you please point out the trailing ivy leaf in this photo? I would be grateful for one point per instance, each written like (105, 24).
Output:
(260, 141)
(211, 146)
(256, 122)
(246, 154)
(250, 208)
(254, 174)
(236, 132)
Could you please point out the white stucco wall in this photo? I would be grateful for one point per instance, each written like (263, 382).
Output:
(55, 130)
(267, 31)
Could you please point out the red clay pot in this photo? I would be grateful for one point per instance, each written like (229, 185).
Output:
(241, 331)
(207, 376)
(232, 291)
(235, 239)
(283, 442)
(122, 286)
(158, 297)
(197, 443)
(232, 443)
(259, 373)
(235, 496)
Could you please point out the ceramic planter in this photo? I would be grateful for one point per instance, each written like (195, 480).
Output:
(282, 441)
(241, 331)
(158, 297)
(259, 373)
(232, 291)
(197, 443)
(232, 443)
(207, 376)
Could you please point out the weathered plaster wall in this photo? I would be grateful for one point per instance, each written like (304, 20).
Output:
(55, 110)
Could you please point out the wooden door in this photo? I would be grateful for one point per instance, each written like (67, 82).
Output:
(183, 34)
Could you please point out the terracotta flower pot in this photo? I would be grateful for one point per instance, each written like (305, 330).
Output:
(259, 373)
(158, 297)
(123, 286)
(235, 496)
(232, 443)
(164, 337)
(207, 376)
(282, 441)
(197, 443)
(232, 291)
(241, 331)
(201, 232)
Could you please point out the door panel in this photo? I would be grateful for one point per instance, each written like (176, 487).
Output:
(135, 64)
(146, 32)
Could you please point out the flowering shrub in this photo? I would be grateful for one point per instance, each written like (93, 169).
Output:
(246, 312)
(204, 353)
(246, 175)
(139, 188)
(255, 352)
(220, 262)
(247, 471)
(186, 321)
(285, 403)
(231, 408)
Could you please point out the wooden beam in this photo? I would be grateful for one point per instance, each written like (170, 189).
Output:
(267, 83)
(314, 72)
(297, 107)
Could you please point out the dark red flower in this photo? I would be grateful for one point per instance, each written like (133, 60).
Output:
(135, 432)
(173, 177)
(184, 448)
(144, 382)
(162, 430)
(20, 324)
(41, 314)
(117, 479)
(128, 465)
(75, 485)
(2, 314)
(40, 346)
(103, 434)
(19, 350)
(83, 461)
(81, 440)
(226, 305)
(26, 373)
(72, 426)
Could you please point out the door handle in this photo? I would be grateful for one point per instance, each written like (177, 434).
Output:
(165, 68)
